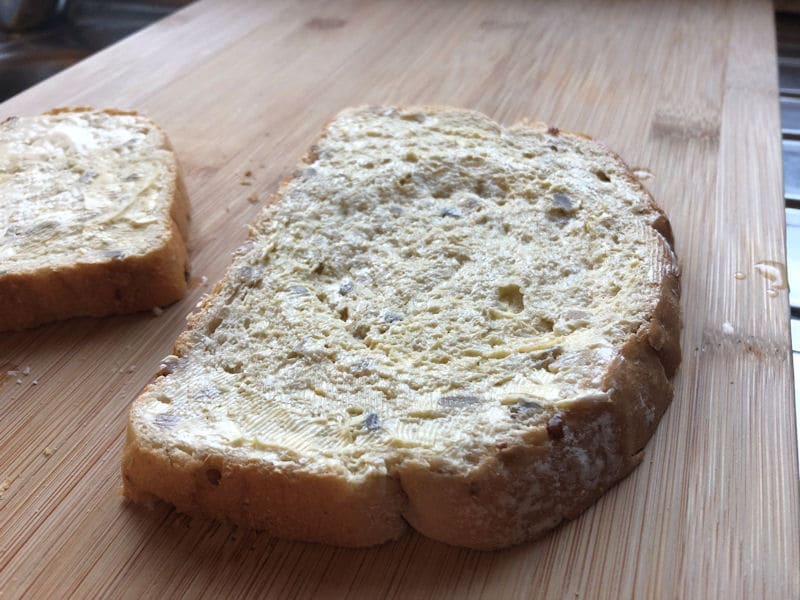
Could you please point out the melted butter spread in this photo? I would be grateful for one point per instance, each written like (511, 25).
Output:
(81, 187)
(428, 287)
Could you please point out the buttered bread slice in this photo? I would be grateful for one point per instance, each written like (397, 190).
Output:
(439, 322)
(93, 217)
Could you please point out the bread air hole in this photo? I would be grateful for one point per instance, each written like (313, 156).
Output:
(213, 324)
(512, 297)
(545, 325)
(602, 176)
(361, 331)
(232, 368)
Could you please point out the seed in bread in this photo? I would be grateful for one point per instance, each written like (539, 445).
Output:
(439, 322)
(94, 217)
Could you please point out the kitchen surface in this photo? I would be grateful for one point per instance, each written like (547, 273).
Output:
(687, 93)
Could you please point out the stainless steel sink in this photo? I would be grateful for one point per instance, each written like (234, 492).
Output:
(73, 31)
(17, 76)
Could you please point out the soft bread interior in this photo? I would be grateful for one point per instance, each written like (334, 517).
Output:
(428, 288)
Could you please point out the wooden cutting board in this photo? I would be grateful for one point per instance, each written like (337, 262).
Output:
(685, 91)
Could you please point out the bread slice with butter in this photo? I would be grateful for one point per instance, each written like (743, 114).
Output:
(94, 217)
(439, 322)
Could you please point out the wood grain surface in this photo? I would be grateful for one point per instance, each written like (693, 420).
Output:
(685, 91)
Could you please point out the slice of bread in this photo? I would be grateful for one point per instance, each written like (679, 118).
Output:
(94, 217)
(439, 322)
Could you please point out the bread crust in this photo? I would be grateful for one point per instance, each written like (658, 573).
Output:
(515, 494)
(290, 504)
(114, 286)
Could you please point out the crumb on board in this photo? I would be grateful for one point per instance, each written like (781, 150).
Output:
(19, 381)
(131, 369)
(26, 371)
(252, 198)
(4, 485)
(48, 451)
(247, 178)
(35, 382)
(158, 311)
(727, 328)
(198, 281)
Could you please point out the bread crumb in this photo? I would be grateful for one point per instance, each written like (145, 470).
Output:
(252, 198)
(4, 486)
(131, 369)
(203, 280)
(48, 451)
(35, 382)
(727, 328)
(19, 381)
(158, 311)
(26, 371)
(12, 373)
